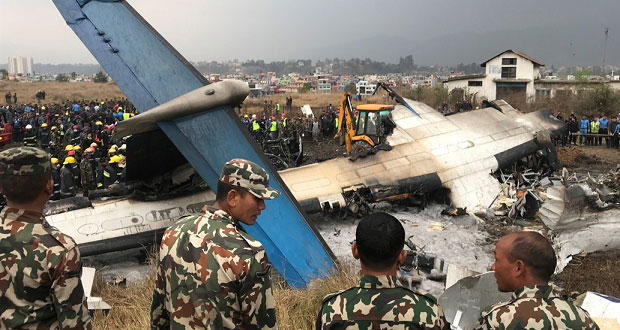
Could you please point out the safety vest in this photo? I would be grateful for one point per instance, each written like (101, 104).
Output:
(594, 125)
(126, 115)
(29, 141)
(284, 122)
(336, 122)
(255, 126)
(62, 130)
(277, 107)
(274, 126)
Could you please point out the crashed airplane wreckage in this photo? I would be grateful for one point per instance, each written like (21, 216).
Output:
(151, 73)
(183, 121)
(431, 152)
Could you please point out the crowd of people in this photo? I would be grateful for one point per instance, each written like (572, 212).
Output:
(590, 130)
(77, 135)
(274, 124)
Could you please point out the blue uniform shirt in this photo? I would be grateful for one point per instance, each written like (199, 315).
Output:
(584, 124)
(604, 123)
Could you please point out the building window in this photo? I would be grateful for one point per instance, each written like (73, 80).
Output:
(543, 93)
(509, 61)
(474, 83)
(509, 72)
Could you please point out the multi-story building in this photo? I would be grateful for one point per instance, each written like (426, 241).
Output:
(509, 75)
(20, 65)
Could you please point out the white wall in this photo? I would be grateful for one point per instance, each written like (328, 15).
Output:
(525, 70)
(486, 91)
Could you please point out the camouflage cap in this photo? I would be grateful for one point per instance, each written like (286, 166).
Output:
(24, 161)
(246, 174)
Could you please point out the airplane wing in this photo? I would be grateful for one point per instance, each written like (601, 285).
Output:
(151, 72)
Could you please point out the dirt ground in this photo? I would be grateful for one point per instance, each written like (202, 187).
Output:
(587, 157)
(56, 92)
(325, 148)
(598, 272)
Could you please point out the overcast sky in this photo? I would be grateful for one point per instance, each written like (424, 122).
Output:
(554, 32)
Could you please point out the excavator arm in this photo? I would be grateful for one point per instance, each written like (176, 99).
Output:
(392, 93)
(345, 121)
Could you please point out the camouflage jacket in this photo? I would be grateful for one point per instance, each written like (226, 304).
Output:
(211, 274)
(86, 173)
(535, 307)
(380, 302)
(40, 272)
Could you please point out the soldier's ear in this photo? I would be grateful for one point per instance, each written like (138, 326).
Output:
(232, 197)
(49, 187)
(401, 257)
(354, 251)
(519, 268)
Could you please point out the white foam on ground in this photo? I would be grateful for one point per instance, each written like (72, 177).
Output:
(460, 242)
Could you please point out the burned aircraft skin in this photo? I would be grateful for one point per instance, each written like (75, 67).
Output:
(457, 152)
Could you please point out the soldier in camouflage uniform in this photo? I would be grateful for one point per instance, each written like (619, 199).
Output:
(380, 301)
(86, 172)
(524, 263)
(40, 267)
(211, 273)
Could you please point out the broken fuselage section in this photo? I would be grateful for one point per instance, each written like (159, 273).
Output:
(430, 152)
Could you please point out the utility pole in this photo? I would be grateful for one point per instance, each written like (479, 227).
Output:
(606, 29)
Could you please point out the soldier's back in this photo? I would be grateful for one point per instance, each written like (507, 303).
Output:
(535, 307)
(39, 275)
(379, 302)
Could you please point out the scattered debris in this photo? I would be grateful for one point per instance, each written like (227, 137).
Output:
(94, 303)
(605, 310)
(463, 301)
(583, 215)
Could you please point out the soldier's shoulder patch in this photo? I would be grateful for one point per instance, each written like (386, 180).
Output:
(494, 308)
(334, 295)
(420, 294)
(65, 241)
(252, 243)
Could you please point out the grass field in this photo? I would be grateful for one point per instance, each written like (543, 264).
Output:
(296, 309)
(61, 91)
(57, 92)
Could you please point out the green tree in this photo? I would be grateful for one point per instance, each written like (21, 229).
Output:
(4, 74)
(101, 77)
(457, 94)
(582, 75)
(62, 78)
(600, 99)
(306, 88)
(350, 88)
(73, 75)
(440, 95)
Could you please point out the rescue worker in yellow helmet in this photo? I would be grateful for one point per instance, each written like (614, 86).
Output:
(55, 178)
(67, 179)
(110, 172)
(45, 137)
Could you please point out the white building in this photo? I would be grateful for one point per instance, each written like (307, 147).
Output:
(365, 88)
(20, 65)
(509, 75)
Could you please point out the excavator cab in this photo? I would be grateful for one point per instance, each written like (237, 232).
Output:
(369, 120)
(366, 132)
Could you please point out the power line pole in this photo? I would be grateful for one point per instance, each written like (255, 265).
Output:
(606, 29)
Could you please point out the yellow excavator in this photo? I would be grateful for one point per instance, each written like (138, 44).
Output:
(366, 133)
